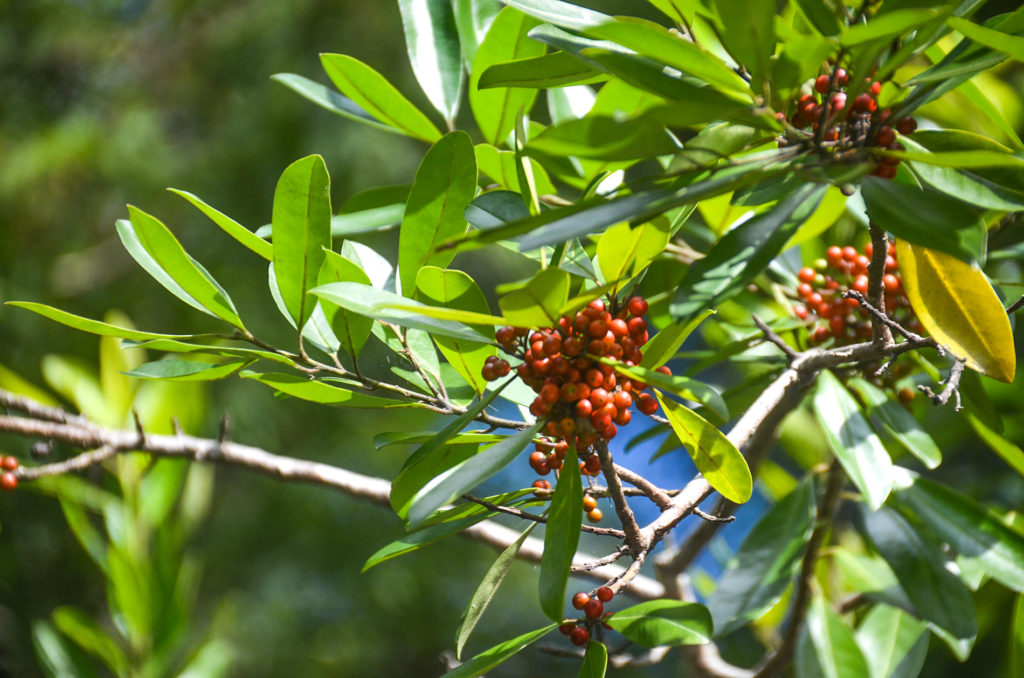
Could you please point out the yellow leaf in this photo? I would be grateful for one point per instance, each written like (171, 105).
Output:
(956, 304)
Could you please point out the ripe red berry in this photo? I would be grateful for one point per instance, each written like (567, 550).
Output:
(9, 463)
(647, 404)
(605, 594)
(637, 306)
(876, 88)
(542, 484)
(566, 628)
(865, 103)
(593, 463)
(8, 481)
(580, 600)
(822, 84)
(618, 327)
(885, 137)
(594, 608)
(838, 101)
(906, 125)
(579, 636)
(806, 274)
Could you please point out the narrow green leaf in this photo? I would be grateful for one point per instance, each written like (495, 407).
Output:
(894, 422)
(663, 346)
(504, 169)
(485, 661)
(156, 249)
(664, 622)
(173, 346)
(444, 186)
(821, 16)
(472, 19)
(496, 208)
(966, 526)
(605, 138)
(748, 32)
(93, 326)
(765, 563)
(888, 26)
(327, 98)
(351, 329)
(559, 13)
(743, 253)
(623, 252)
(541, 72)
(402, 438)
(969, 187)
(485, 591)
(432, 40)
(87, 634)
(677, 385)
(539, 302)
(55, 656)
(417, 539)
(715, 456)
(853, 442)
(894, 643)
(378, 97)
(495, 110)
(230, 226)
(595, 661)
(321, 392)
(1009, 452)
(302, 230)
(468, 474)
(1011, 45)
(827, 647)
(188, 370)
(561, 537)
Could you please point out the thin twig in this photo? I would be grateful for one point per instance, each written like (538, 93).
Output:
(526, 515)
(633, 537)
(648, 489)
(1012, 308)
(952, 387)
(881, 332)
(713, 519)
(774, 338)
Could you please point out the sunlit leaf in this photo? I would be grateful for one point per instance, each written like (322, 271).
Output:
(93, 326)
(187, 370)
(1010, 45)
(826, 648)
(894, 643)
(230, 226)
(321, 391)
(595, 661)
(893, 421)
(550, 70)
(485, 661)
(561, 536)
(663, 346)
(539, 302)
(664, 622)
(329, 99)
(432, 40)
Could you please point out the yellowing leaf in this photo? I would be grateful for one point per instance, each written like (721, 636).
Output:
(956, 304)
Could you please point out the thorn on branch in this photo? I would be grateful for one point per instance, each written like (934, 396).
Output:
(952, 387)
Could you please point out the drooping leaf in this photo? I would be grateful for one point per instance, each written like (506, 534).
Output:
(378, 97)
(327, 98)
(539, 302)
(230, 226)
(561, 536)
(432, 40)
(302, 230)
(94, 326)
(743, 253)
(1011, 45)
(678, 385)
(595, 661)
(321, 391)
(956, 304)
(351, 329)
(663, 346)
(485, 661)
(763, 567)
(715, 456)
(495, 110)
(894, 422)
(852, 440)
(424, 536)
(444, 186)
(894, 643)
(188, 370)
(748, 32)
(664, 622)
(156, 249)
(827, 648)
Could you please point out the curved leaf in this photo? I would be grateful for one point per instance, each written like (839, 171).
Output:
(595, 661)
(230, 226)
(188, 370)
(827, 648)
(664, 622)
(663, 346)
(894, 643)
(550, 70)
(893, 421)
(957, 305)
(1011, 45)
(561, 537)
(434, 51)
(321, 392)
(93, 326)
(539, 302)
(351, 329)
(326, 97)
(485, 661)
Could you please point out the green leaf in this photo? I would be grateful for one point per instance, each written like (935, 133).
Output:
(485, 661)
(351, 329)
(894, 422)
(373, 93)
(595, 661)
(853, 442)
(559, 13)
(743, 253)
(188, 370)
(938, 595)
(444, 186)
(623, 252)
(55, 656)
(965, 186)
(503, 168)
(966, 526)
(156, 249)
(664, 622)
(467, 474)
(417, 539)
(432, 40)
(821, 16)
(827, 647)
(887, 26)
(539, 302)
(894, 643)
(321, 392)
(925, 218)
(485, 591)
(87, 634)
(326, 97)
(561, 537)
(605, 138)
(457, 290)
(677, 385)
(715, 456)
(372, 210)
(541, 72)
(93, 326)
(1011, 45)
(302, 230)
(1009, 452)
(391, 308)
(748, 31)
(496, 208)
(230, 226)
(763, 567)
(663, 346)
(495, 110)
(472, 19)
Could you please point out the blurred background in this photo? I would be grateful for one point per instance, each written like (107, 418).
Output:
(109, 102)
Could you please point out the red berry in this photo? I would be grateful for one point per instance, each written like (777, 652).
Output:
(637, 326)
(834, 254)
(842, 77)
(594, 608)
(580, 600)
(637, 306)
(885, 137)
(9, 463)
(593, 463)
(806, 274)
(595, 515)
(800, 311)
(619, 327)
(584, 408)
(579, 636)
(566, 628)
(865, 103)
(542, 484)
(906, 125)
(8, 481)
(589, 504)
(596, 305)
(838, 101)
(822, 84)
(605, 594)
(876, 88)
(647, 404)
(905, 395)
(622, 400)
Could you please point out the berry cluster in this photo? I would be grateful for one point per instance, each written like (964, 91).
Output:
(8, 478)
(822, 286)
(579, 631)
(841, 127)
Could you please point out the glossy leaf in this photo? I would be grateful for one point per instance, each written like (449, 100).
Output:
(351, 329)
(188, 370)
(765, 563)
(605, 138)
(496, 208)
(495, 110)
(432, 40)
(549, 70)
(854, 443)
(925, 218)
(444, 186)
(539, 302)
(302, 230)
(827, 647)
(371, 210)
(887, 26)
(748, 32)
(455, 289)
(93, 326)
(664, 622)
(1011, 45)
(156, 249)
(502, 167)
(966, 526)
(715, 456)
(743, 253)
(667, 341)
(484, 593)
(327, 98)
(623, 252)
(374, 94)
(821, 16)
(894, 422)
(966, 186)
(467, 474)
(595, 661)
(560, 13)
(230, 226)
(1010, 453)
(485, 661)
(472, 19)
(938, 595)
(678, 385)
(561, 536)
(893, 642)
(958, 307)
(321, 391)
